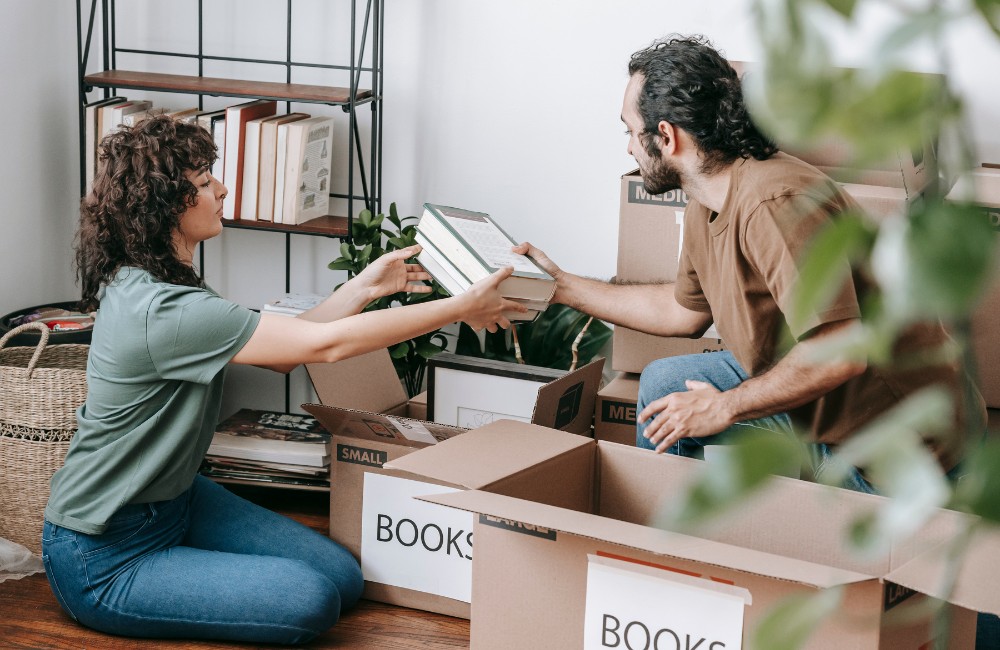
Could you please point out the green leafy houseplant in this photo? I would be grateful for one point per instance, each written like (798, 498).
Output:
(932, 262)
(547, 342)
(367, 234)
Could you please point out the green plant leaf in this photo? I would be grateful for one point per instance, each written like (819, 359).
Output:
(844, 7)
(399, 351)
(365, 217)
(376, 221)
(978, 492)
(341, 264)
(365, 254)
(790, 623)
(345, 251)
(398, 243)
(990, 11)
(826, 265)
(426, 349)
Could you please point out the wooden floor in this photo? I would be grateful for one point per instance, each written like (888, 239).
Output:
(31, 619)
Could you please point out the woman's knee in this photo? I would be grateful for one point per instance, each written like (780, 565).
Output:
(318, 605)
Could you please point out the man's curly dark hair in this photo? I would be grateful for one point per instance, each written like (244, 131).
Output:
(687, 83)
(139, 194)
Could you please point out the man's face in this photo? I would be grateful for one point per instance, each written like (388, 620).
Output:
(659, 174)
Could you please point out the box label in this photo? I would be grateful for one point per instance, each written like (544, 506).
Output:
(895, 594)
(518, 527)
(674, 198)
(414, 544)
(618, 412)
(360, 456)
(640, 609)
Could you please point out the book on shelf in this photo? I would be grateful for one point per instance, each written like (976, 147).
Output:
(306, 193)
(236, 120)
(257, 477)
(91, 135)
(119, 112)
(251, 166)
(265, 436)
(293, 304)
(269, 162)
(283, 469)
(461, 247)
(215, 123)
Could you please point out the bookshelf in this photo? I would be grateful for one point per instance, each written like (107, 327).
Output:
(369, 14)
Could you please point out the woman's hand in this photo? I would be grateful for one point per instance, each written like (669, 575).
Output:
(391, 274)
(484, 306)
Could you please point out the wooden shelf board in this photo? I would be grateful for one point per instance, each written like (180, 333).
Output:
(223, 87)
(328, 226)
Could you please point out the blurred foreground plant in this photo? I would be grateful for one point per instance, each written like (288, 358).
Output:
(935, 261)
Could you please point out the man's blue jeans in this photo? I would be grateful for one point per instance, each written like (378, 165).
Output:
(206, 565)
(720, 369)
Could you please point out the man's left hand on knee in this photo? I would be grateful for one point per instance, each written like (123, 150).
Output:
(701, 411)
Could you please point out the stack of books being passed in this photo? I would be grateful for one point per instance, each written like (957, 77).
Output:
(268, 447)
(293, 304)
(461, 247)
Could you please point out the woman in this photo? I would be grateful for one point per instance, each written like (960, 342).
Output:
(135, 541)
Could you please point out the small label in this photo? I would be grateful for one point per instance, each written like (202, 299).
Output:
(380, 428)
(993, 216)
(618, 412)
(895, 594)
(518, 527)
(359, 456)
(569, 406)
(674, 198)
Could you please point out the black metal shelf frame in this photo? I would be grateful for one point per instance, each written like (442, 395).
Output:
(371, 182)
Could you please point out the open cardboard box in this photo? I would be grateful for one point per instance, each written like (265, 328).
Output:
(549, 575)
(982, 186)
(427, 567)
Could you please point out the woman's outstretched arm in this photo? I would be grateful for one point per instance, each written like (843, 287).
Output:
(282, 343)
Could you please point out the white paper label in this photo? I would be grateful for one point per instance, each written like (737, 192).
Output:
(475, 418)
(413, 430)
(415, 544)
(633, 607)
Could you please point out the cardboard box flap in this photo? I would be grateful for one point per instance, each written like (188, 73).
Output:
(485, 455)
(365, 383)
(978, 576)
(649, 539)
(567, 404)
(982, 186)
(624, 386)
(376, 427)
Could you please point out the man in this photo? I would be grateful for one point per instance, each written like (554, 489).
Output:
(752, 214)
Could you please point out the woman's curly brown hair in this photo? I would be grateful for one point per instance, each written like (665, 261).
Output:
(140, 192)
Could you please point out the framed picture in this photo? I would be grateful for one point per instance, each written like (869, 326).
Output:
(469, 392)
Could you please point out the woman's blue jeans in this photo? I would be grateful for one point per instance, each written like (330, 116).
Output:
(206, 565)
(720, 369)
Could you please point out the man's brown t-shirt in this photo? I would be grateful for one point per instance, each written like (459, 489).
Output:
(741, 266)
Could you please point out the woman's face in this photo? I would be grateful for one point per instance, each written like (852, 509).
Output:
(204, 219)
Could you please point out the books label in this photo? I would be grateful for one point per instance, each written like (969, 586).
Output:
(414, 544)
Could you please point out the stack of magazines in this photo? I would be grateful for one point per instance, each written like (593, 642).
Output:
(293, 304)
(268, 447)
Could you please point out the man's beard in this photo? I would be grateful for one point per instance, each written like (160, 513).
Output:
(661, 176)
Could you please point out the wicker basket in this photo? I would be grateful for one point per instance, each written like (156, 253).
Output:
(40, 391)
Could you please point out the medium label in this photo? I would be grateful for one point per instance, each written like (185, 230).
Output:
(414, 544)
(518, 527)
(359, 456)
(618, 412)
(674, 198)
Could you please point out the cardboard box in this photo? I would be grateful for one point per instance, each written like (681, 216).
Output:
(984, 185)
(365, 383)
(365, 496)
(650, 236)
(615, 411)
(551, 577)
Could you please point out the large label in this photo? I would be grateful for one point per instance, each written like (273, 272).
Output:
(638, 194)
(641, 607)
(415, 544)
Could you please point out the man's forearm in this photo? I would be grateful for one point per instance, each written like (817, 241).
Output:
(649, 308)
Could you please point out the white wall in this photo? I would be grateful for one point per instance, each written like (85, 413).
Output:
(39, 163)
(511, 108)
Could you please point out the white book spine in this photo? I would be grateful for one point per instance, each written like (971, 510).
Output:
(279, 173)
(231, 164)
(219, 135)
(251, 171)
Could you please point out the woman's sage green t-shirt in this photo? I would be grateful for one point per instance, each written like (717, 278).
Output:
(154, 391)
